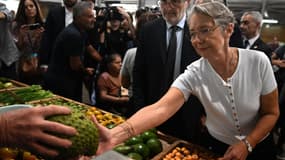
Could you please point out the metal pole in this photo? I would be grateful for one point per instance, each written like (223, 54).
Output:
(141, 3)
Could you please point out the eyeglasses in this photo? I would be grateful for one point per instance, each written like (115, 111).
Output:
(202, 33)
(244, 22)
(170, 2)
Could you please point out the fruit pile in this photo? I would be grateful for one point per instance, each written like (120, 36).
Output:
(11, 154)
(142, 147)
(24, 95)
(5, 83)
(106, 119)
(181, 153)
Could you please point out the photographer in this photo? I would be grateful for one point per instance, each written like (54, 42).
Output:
(116, 39)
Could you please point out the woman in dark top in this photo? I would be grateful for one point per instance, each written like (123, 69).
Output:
(27, 30)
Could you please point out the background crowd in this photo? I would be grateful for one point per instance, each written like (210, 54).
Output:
(124, 59)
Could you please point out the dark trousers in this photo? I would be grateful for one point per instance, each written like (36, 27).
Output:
(264, 150)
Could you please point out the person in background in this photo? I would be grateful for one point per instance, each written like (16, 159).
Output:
(154, 70)
(28, 129)
(274, 44)
(236, 87)
(66, 70)
(278, 62)
(250, 26)
(129, 59)
(57, 19)
(9, 53)
(109, 86)
(116, 39)
(27, 30)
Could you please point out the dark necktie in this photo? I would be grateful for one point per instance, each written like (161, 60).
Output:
(171, 54)
(246, 43)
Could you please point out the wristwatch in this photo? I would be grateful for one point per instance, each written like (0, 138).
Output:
(248, 146)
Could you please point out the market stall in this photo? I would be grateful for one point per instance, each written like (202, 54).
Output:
(150, 144)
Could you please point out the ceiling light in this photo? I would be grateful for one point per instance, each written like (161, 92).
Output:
(274, 21)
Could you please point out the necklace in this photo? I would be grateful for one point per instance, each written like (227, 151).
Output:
(230, 66)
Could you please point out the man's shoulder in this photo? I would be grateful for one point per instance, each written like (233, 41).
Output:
(70, 32)
(56, 10)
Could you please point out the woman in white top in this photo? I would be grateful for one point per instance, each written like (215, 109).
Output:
(236, 87)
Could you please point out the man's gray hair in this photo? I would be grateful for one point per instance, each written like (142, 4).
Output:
(80, 7)
(256, 15)
(218, 11)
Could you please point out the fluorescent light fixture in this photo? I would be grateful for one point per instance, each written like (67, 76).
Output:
(273, 21)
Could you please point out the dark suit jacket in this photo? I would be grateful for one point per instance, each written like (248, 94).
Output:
(149, 77)
(55, 23)
(262, 46)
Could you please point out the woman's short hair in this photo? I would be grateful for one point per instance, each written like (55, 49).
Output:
(221, 14)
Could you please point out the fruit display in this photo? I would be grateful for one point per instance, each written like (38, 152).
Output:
(105, 118)
(23, 95)
(15, 154)
(141, 147)
(182, 150)
(6, 83)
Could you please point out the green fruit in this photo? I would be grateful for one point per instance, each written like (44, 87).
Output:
(142, 149)
(123, 149)
(154, 130)
(135, 156)
(148, 135)
(110, 126)
(154, 145)
(134, 140)
(8, 84)
(85, 142)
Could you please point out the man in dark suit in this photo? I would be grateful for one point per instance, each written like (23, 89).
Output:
(250, 25)
(153, 74)
(58, 18)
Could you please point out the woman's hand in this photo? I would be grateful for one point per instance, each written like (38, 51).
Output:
(28, 129)
(105, 143)
(237, 151)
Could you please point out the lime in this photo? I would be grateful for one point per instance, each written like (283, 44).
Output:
(154, 130)
(135, 156)
(111, 125)
(154, 145)
(123, 149)
(148, 135)
(142, 149)
(134, 140)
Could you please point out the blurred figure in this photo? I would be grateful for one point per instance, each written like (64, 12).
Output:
(57, 19)
(278, 61)
(250, 26)
(116, 39)
(109, 86)
(129, 59)
(28, 29)
(66, 70)
(9, 53)
(274, 44)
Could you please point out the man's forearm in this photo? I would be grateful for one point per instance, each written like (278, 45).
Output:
(2, 16)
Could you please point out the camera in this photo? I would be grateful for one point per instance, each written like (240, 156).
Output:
(108, 13)
(34, 26)
(114, 14)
